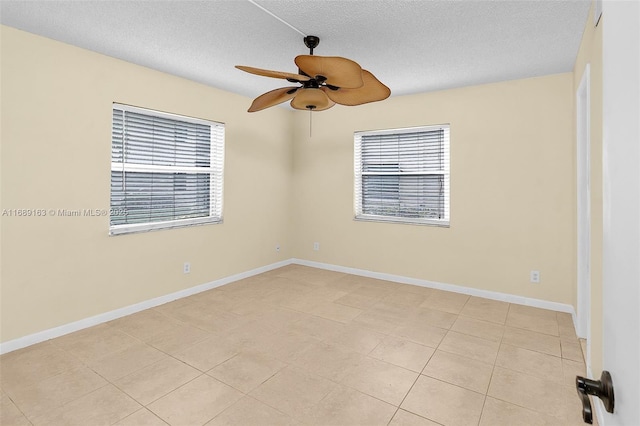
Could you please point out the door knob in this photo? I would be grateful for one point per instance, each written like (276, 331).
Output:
(602, 388)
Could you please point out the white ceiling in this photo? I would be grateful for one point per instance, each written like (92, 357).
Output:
(411, 46)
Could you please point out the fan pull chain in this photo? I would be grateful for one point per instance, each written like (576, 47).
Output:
(310, 121)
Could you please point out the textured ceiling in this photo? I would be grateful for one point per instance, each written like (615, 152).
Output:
(411, 46)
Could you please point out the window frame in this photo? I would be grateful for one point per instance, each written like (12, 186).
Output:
(358, 198)
(215, 170)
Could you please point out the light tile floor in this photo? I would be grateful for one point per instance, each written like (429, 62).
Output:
(303, 346)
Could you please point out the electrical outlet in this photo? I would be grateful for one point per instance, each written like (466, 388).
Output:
(535, 277)
(278, 248)
(316, 246)
(186, 268)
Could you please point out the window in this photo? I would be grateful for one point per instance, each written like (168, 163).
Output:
(166, 170)
(402, 175)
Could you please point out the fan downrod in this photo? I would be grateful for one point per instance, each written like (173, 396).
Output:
(311, 42)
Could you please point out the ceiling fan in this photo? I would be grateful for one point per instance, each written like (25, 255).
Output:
(324, 81)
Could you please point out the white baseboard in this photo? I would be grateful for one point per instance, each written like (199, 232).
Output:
(51, 333)
(494, 295)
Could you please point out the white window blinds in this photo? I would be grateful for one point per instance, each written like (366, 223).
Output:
(402, 175)
(166, 170)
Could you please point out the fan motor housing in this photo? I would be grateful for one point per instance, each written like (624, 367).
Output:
(311, 42)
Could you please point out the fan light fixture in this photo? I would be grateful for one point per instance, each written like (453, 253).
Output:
(324, 81)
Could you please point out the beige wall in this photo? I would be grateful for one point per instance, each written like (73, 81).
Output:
(591, 53)
(512, 189)
(56, 124)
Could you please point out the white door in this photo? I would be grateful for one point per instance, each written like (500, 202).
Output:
(621, 203)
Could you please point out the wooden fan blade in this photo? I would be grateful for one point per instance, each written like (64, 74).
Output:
(340, 72)
(273, 74)
(316, 98)
(372, 90)
(272, 98)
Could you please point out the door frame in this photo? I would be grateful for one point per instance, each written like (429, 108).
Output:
(583, 161)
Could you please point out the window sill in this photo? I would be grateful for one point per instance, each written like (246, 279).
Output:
(402, 221)
(157, 226)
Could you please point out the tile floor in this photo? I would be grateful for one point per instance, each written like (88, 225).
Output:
(303, 346)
